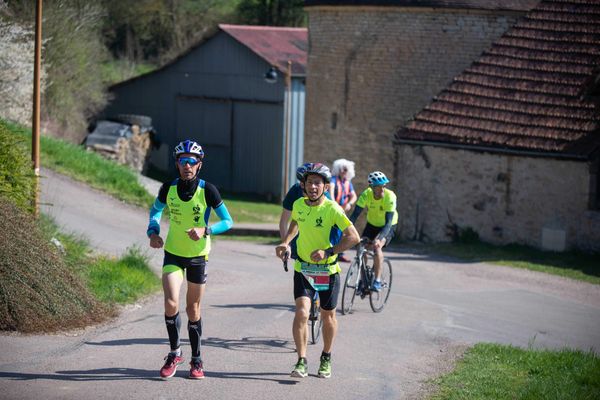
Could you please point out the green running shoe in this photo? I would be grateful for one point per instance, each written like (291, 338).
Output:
(300, 369)
(325, 367)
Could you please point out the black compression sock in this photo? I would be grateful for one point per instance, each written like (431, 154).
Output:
(195, 332)
(326, 355)
(173, 326)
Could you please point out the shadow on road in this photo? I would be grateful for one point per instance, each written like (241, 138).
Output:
(261, 376)
(263, 306)
(252, 344)
(103, 374)
(132, 341)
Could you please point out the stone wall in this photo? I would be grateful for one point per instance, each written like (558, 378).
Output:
(504, 198)
(371, 69)
(16, 71)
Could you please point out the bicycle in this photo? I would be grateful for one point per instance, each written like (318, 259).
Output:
(360, 277)
(314, 318)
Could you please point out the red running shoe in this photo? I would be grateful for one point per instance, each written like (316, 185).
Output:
(196, 370)
(170, 367)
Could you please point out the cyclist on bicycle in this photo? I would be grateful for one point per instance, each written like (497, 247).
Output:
(190, 200)
(316, 267)
(382, 218)
(295, 192)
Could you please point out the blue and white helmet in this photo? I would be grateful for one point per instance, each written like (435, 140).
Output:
(301, 170)
(188, 147)
(377, 178)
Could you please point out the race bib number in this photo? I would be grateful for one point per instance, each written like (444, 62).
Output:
(316, 274)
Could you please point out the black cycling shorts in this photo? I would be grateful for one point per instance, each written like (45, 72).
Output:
(195, 267)
(372, 231)
(328, 298)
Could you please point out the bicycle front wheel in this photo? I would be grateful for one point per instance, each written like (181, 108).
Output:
(315, 325)
(350, 285)
(378, 299)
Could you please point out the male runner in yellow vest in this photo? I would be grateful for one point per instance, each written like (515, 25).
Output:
(190, 201)
(316, 268)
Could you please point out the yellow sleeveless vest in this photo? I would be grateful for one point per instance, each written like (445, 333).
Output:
(185, 215)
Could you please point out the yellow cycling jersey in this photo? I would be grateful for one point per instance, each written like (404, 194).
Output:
(314, 228)
(376, 208)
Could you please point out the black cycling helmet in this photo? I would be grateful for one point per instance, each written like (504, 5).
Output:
(317, 169)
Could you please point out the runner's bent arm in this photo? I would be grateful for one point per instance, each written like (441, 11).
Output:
(156, 211)
(353, 198)
(389, 216)
(225, 222)
(293, 194)
(155, 214)
(349, 239)
(213, 199)
(357, 210)
(283, 222)
(291, 233)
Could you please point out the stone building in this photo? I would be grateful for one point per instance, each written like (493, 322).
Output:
(372, 64)
(511, 148)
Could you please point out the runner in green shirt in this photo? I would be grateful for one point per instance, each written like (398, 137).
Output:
(382, 218)
(313, 218)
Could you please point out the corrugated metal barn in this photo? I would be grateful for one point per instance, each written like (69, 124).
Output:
(217, 94)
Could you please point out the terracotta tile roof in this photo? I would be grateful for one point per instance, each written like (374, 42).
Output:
(274, 44)
(528, 92)
(512, 5)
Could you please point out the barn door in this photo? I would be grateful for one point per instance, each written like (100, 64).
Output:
(257, 148)
(209, 123)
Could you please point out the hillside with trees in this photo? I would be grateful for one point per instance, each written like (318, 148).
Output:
(89, 46)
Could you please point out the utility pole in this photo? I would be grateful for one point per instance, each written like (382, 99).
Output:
(35, 125)
(287, 120)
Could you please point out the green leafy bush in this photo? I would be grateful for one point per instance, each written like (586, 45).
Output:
(17, 181)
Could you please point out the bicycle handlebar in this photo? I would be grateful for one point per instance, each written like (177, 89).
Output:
(285, 261)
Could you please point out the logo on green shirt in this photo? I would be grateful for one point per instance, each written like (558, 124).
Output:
(319, 222)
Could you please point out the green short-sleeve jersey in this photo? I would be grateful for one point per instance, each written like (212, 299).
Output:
(376, 208)
(314, 228)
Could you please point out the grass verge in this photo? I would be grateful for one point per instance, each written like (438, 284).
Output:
(112, 280)
(121, 182)
(90, 168)
(122, 280)
(572, 264)
(250, 238)
(248, 209)
(493, 371)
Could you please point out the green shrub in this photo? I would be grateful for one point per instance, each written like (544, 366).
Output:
(38, 291)
(122, 280)
(17, 181)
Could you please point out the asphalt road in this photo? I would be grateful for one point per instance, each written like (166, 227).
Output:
(436, 308)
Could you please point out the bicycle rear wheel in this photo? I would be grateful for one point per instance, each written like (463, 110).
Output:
(350, 285)
(378, 299)
(315, 322)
